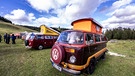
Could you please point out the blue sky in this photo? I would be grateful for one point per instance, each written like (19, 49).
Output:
(54, 13)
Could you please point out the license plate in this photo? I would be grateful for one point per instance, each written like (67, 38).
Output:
(57, 67)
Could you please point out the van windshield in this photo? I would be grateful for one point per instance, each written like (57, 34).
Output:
(32, 37)
(71, 37)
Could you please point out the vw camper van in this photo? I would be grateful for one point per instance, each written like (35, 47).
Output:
(40, 41)
(78, 50)
(46, 38)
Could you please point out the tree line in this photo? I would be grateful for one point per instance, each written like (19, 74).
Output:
(120, 33)
(5, 20)
(38, 28)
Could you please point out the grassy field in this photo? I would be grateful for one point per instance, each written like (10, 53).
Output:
(10, 28)
(16, 60)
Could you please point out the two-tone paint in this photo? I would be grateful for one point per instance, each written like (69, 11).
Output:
(83, 52)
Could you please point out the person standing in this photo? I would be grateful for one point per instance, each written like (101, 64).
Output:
(8, 38)
(13, 39)
(0, 38)
(5, 38)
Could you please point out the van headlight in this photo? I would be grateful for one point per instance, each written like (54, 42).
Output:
(72, 59)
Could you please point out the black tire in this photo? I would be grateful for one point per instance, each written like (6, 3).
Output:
(40, 47)
(26, 42)
(91, 66)
(103, 56)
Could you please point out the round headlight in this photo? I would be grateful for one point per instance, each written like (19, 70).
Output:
(72, 59)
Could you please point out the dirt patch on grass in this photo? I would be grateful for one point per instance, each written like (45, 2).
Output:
(116, 54)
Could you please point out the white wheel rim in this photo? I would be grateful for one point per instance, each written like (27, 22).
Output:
(40, 47)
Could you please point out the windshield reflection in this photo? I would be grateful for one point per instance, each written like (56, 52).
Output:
(71, 37)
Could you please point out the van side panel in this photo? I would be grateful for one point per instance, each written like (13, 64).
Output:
(92, 49)
(44, 40)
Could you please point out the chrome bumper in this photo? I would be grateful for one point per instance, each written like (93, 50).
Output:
(28, 47)
(60, 68)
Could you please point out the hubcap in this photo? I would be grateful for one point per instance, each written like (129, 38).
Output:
(40, 47)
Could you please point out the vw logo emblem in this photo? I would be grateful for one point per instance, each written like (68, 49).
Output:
(55, 54)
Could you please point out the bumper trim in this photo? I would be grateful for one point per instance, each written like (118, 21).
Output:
(71, 71)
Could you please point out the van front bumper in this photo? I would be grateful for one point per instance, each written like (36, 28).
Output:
(29, 47)
(60, 68)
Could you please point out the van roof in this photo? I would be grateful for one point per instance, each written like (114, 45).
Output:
(90, 19)
(43, 34)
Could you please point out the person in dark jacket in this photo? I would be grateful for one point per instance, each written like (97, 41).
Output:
(13, 39)
(8, 38)
(5, 38)
(0, 38)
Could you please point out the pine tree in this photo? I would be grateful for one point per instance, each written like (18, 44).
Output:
(108, 34)
(120, 33)
(124, 34)
(133, 34)
(59, 29)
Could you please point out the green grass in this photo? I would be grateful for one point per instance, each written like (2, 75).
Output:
(16, 60)
(10, 28)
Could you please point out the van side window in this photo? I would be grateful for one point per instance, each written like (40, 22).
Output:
(40, 37)
(55, 37)
(97, 38)
(89, 38)
(51, 37)
(103, 38)
(47, 37)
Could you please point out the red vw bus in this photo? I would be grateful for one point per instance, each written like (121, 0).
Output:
(40, 41)
(78, 50)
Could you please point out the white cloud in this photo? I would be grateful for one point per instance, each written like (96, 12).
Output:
(20, 17)
(66, 10)
(62, 2)
(127, 11)
(52, 22)
(117, 5)
(120, 3)
(123, 17)
(121, 13)
(81, 9)
(46, 5)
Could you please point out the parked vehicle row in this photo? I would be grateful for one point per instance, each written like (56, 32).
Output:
(73, 51)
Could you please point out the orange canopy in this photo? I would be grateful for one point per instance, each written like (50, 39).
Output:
(87, 24)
